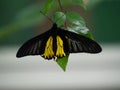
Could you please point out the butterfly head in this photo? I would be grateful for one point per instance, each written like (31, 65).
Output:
(54, 26)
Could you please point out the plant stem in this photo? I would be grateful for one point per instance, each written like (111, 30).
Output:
(62, 11)
(60, 5)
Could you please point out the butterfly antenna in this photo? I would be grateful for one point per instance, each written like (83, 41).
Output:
(46, 16)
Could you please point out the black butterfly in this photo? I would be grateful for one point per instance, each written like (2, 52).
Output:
(57, 43)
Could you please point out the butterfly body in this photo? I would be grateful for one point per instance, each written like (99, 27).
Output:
(57, 43)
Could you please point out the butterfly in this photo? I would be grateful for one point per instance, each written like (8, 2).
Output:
(58, 43)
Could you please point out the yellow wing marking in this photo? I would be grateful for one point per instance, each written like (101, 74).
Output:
(60, 49)
(48, 53)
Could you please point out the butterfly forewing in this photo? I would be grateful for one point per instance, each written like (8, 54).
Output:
(75, 43)
(34, 46)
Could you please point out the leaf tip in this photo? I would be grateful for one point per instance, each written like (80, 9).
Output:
(62, 62)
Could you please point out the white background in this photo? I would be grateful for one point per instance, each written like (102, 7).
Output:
(84, 71)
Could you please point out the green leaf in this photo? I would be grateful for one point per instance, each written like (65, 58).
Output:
(59, 18)
(80, 2)
(62, 62)
(89, 35)
(78, 24)
(48, 6)
(75, 18)
(82, 30)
